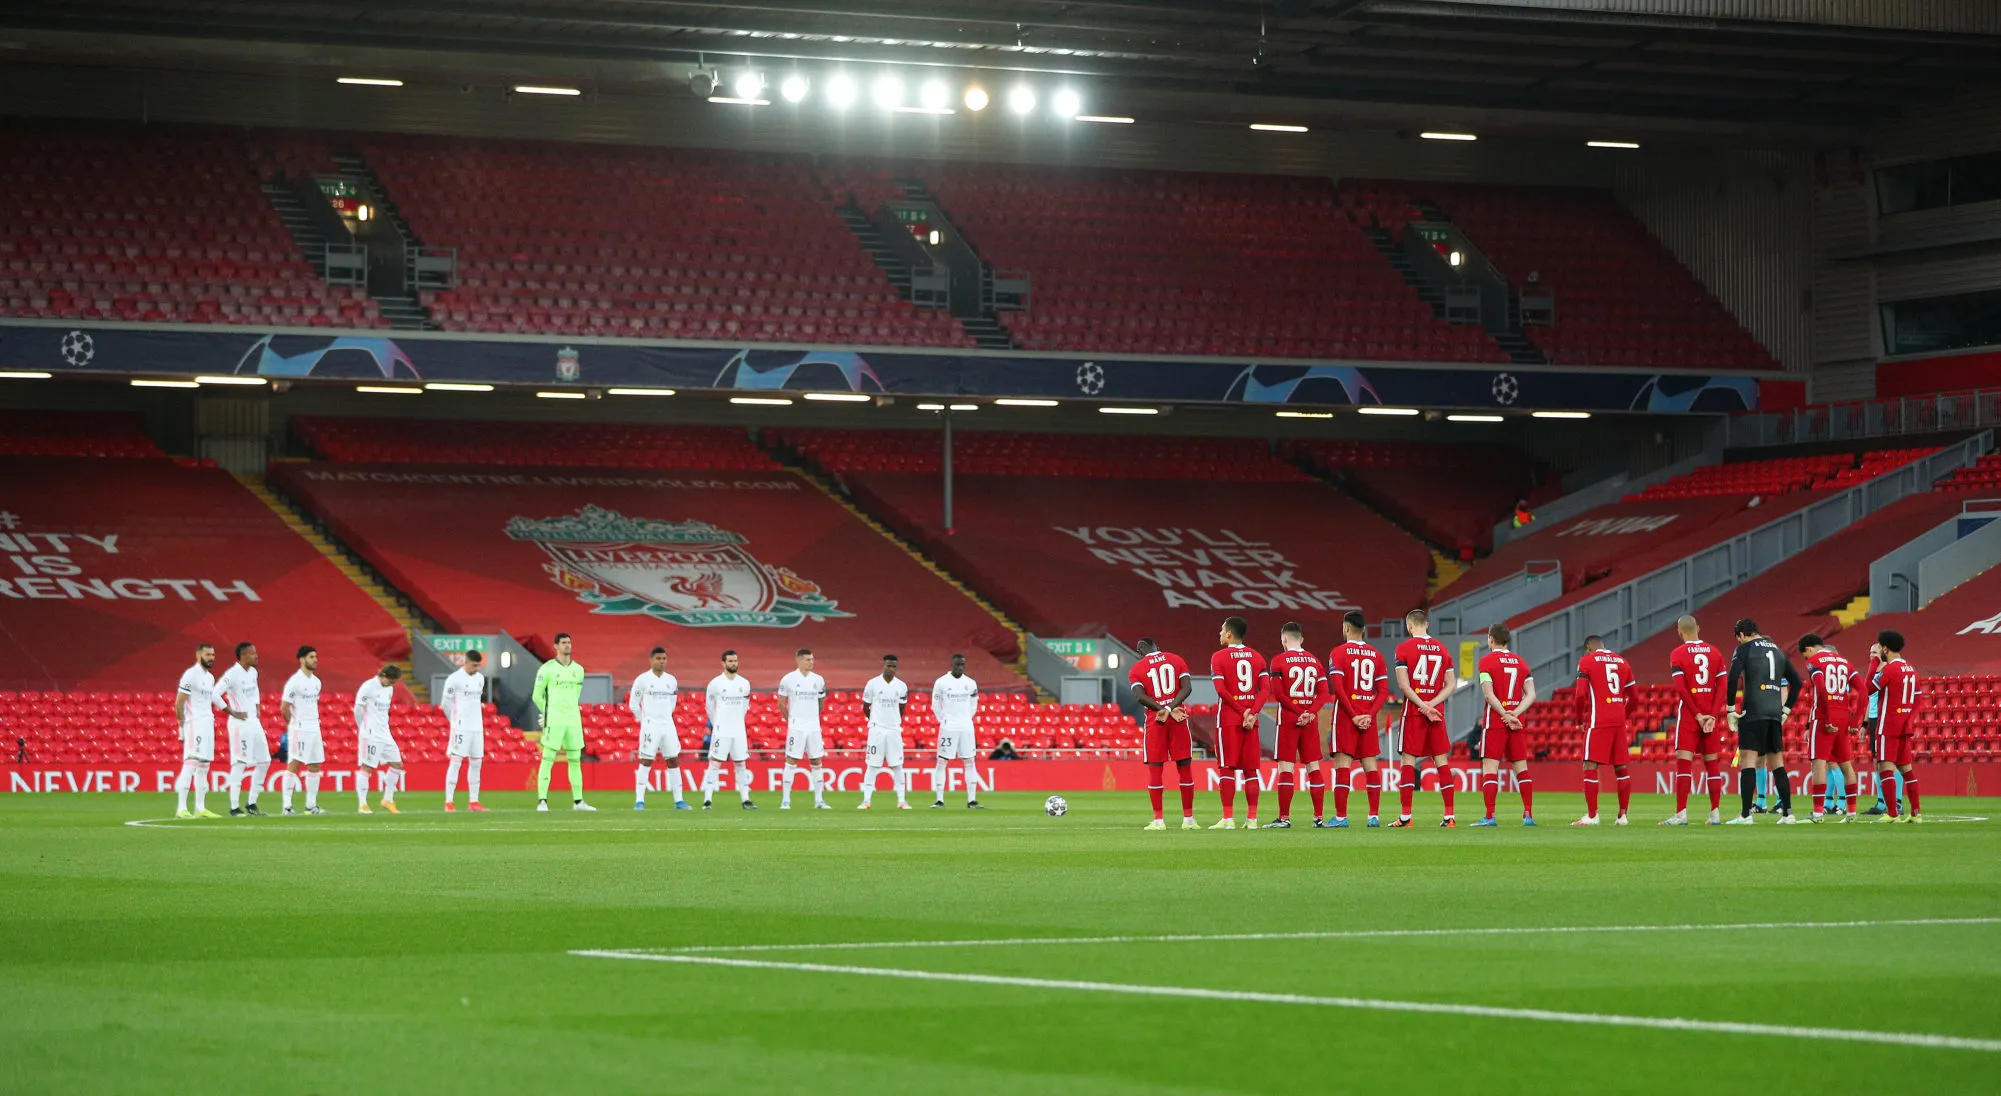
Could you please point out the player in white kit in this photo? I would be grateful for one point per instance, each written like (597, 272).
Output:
(884, 698)
(800, 694)
(376, 750)
(299, 707)
(955, 698)
(194, 711)
(729, 739)
(651, 700)
(465, 692)
(249, 752)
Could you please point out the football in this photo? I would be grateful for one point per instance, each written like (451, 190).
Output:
(1056, 805)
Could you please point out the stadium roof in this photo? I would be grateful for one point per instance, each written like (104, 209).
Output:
(1222, 60)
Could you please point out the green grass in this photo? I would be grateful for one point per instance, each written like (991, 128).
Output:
(431, 954)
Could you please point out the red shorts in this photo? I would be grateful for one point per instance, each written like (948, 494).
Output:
(1355, 741)
(1826, 742)
(1297, 743)
(1894, 749)
(1608, 744)
(1688, 735)
(1498, 743)
(1166, 742)
(1237, 746)
(1421, 737)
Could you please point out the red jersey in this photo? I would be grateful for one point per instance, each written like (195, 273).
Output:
(1897, 690)
(1830, 689)
(1603, 677)
(1865, 692)
(1297, 682)
(1242, 682)
(1427, 662)
(1509, 673)
(1357, 680)
(1159, 676)
(1698, 669)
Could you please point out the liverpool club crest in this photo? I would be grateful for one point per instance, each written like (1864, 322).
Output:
(684, 572)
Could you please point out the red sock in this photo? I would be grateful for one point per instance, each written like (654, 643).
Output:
(1155, 790)
(1713, 777)
(1286, 788)
(1625, 785)
(1527, 787)
(1911, 789)
(1490, 790)
(1818, 790)
(1186, 769)
(1447, 786)
(1342, 778)
(1591, 793)
(1374, 784)
(1227, 788)
(1886, 784)
(1407, 788)
(1317, 788)
(1248, 780)
(1683, 782)
(1853, 791)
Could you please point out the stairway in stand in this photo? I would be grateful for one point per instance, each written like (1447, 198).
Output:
(404, 312)
(1444, 572)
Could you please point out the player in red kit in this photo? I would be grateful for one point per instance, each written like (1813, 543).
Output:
(1698, 668)
(1161, 683)
(1603, 679)
(1242, 687)
(1506, 691)
(1896, 721)
(1359, 683)
(1299, 684)
(1830, 717)
(1425, 678)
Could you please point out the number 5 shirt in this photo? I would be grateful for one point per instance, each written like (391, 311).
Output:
(1603, 679)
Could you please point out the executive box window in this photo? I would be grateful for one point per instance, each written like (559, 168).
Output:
(1943, 323)
(1934, 183)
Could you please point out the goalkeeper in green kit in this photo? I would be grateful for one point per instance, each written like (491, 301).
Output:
(558, 696)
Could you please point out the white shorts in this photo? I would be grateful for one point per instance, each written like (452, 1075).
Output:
(247, 745)
(378, 750)
(198, 744)
(805, 743)
(957, 744)
(729, 746)
(660, 741)
(306, 747)
(885, 749)
(467, 743)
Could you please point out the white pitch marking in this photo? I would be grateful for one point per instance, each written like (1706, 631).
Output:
(1347, 934)
(1724, 1027)
(550, 827)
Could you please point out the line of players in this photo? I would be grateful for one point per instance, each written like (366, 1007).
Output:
(558, 686)
(1751, 694)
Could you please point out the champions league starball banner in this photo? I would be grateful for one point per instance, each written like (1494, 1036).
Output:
(414, 356)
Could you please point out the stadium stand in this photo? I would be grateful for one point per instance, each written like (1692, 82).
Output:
(139, 226)
(1153, 262)
(656, 243)
(1141, 536)
(141, 558)
(1781, 475)
(1958, 633)
(75, 434)
(1451, 495)
(544, 444)
(1982, 475)
(626, 559)
(1621, 296)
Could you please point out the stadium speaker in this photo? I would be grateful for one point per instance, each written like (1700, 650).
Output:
(704, 82)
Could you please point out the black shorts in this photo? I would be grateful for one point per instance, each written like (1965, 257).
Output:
(1761, 736)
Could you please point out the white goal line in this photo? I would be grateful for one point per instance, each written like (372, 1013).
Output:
(1723, 1027)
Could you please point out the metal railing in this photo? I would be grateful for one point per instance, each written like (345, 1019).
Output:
(1539, 582)
(431, 267)
(1970, 410)
(1603, 493)
(346, 264)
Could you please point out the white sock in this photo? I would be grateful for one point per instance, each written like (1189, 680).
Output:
(902, 778)
(183, 784)
(674, 781)
(201, 785)
(941, 778)
(972, 781)
(287, 780)
(472, 779)
(744, 781)
(451, 779)
(258, 775)
(785, 784)
(312, 789)
(818, 777)
(868, 783)
(361, 786)
(711, 780)
(236, 774)
(389, 781)
(640, 774)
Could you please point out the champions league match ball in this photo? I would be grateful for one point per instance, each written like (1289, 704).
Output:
(1056, 805)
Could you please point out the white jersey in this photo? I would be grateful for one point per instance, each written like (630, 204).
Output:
(371, 708)
(803, 694)
(954, 700)
(465, 691)
(729, 704)
(302, 692)
(652, 698)
(885, 700)
(198, 712)
(236, 691)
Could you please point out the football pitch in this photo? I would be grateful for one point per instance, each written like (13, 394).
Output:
(946, 951)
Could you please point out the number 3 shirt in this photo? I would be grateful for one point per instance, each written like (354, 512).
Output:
(1603, 678)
